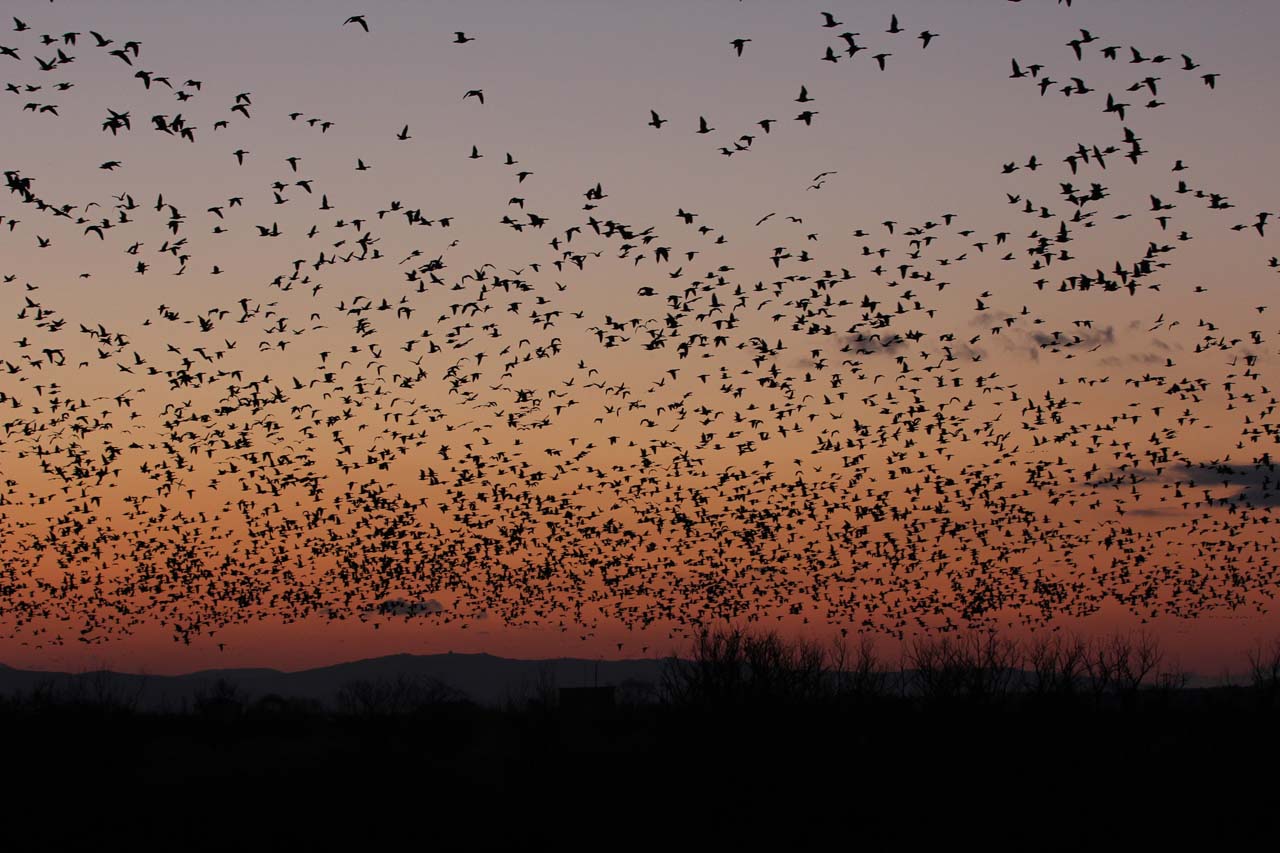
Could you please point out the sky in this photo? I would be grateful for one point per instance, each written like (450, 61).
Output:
(519, 372)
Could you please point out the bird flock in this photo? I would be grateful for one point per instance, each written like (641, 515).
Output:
(326, 413)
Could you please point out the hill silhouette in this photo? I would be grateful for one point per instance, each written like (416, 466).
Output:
(482, 678)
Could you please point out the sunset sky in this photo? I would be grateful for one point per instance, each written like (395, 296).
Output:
(880, 371)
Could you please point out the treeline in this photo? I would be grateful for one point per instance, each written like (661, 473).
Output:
(744, 726)
(737, 669)
(733, 666)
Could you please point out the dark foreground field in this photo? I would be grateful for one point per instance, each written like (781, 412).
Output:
(806, 770)
(713, 752)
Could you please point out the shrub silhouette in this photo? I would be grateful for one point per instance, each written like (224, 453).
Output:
(95, 692)
(540, 694)
(223, 700)
(275, 706)
(395, 696)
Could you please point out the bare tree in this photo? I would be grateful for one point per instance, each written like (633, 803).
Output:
(859, 674)
(732, 666)
(1264, 671)
(1122, 662)
(930, 661)
(979, 665)
(991, 663)
(1100, 664)
(1057, 663)
(1142, 661)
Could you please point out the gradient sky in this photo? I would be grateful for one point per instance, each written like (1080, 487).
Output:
(237, 468)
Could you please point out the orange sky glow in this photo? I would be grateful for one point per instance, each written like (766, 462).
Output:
(1005, 363)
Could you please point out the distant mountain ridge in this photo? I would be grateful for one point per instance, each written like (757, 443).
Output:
(483, 678)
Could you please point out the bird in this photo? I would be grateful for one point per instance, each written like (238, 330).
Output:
(758, 407)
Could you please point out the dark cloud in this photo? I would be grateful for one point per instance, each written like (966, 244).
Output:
(873, 344)
(1086, 337)
(1255, 484)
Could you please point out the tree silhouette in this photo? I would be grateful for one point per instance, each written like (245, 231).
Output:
(730, 666)
(1264, 672)
(1056, 664)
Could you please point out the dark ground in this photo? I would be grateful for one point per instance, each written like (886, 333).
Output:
(1035, 772)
